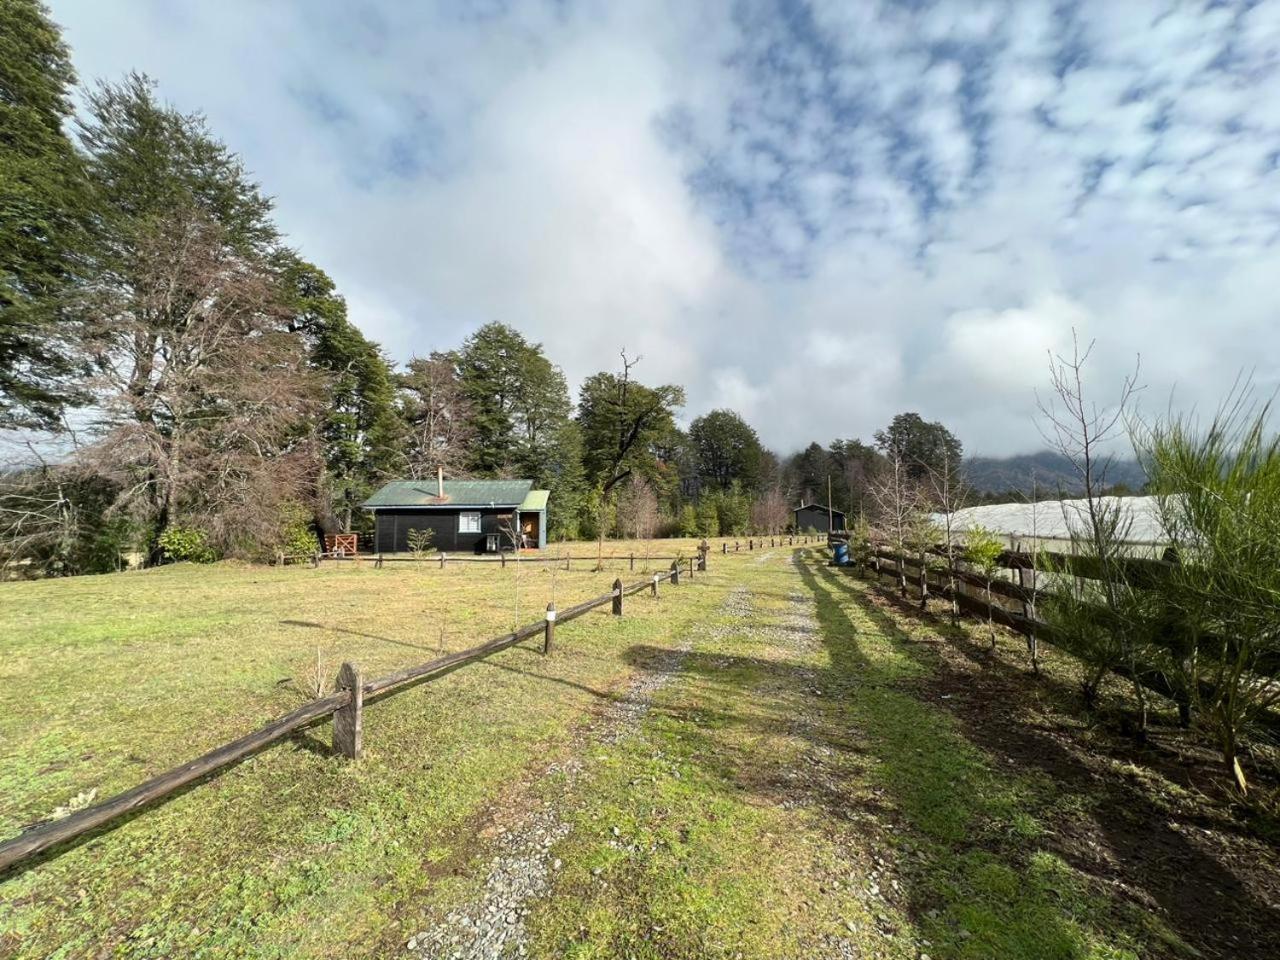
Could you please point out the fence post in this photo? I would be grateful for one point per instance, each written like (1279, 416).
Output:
(655, 586)
(315, 561)
(633, 561)
(348, 721)
(675, 573)
(441, 559)
(378, 564)
(724, 547)
(692, 562)
(502, 558)
(550, 633)
(617, 597)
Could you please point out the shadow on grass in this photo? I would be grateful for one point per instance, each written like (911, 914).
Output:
(885, 761)
(357, 633)
(1123, 840)
(982, 876)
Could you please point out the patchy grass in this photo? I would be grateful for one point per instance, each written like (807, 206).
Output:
(108, 680)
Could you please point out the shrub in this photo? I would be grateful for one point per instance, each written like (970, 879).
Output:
(297, 538)
(190, 544)
(983, 549)
(688, 521)
(420, 543)
(1218, 492)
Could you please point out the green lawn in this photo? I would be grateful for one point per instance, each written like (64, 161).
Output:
(793, 790)
(108, 680)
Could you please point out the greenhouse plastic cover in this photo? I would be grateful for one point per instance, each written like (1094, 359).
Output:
(1055, 519)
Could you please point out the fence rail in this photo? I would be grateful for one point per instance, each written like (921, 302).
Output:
(345, 706)
(502, 558)
(930, 581)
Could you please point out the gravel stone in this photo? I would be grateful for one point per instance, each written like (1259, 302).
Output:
(519, 874)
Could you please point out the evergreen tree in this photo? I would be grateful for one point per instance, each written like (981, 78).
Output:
(924, 448)
(491, 365)
(811, 468)
(734, 510)
(43, 210)
(688, 521)
(360, 431)
(709, 515)
(624, 425)
(728, 450)
(856, 465)
(201, 381)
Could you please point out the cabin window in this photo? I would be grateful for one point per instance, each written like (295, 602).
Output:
(469, 522)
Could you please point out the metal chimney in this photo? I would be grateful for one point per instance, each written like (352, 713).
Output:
(440, 482)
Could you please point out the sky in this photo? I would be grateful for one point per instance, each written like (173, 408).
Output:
(817, 214)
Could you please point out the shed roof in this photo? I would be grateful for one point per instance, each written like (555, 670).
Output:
(535, 500)
(457, 493)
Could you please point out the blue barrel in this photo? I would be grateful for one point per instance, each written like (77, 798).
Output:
(841, 554)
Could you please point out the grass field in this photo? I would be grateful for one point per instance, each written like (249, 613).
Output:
(813, 778)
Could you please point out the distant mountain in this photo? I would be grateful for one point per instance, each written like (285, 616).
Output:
(1052, 471)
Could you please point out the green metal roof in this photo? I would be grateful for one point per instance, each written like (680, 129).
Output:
(536, 500)
(457, 493)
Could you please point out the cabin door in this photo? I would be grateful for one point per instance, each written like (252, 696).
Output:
(529, 530)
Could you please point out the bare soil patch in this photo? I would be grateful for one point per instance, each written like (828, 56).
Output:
(1152, 821)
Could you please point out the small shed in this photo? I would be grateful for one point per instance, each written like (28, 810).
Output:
(816, 516)
(464, 516)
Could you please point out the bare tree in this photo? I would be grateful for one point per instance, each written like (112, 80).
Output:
(204, 394)
(638, 512)
(438, 413)
(38, 520)
(638, 508)
(948, 494)
(770, 512)
(1101, 615)
(509, 527)
(898, 504)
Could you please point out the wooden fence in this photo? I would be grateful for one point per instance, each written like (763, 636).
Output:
(1014, 605)
(502, 558)
(345, 706)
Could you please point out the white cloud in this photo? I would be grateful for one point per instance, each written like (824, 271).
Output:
(820, 221)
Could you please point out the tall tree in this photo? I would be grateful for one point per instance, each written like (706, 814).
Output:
(360, 431)
(491, 364)
(519, 419)
(623, 424)
(200, 380)
(728, 450)
(437, 416)
(923, 447)
(856, 465)
(43, 209)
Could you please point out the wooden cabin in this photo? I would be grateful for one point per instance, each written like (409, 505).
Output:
(815, 516)
(464, 516)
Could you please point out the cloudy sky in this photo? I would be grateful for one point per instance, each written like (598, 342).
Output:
(816, 214)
